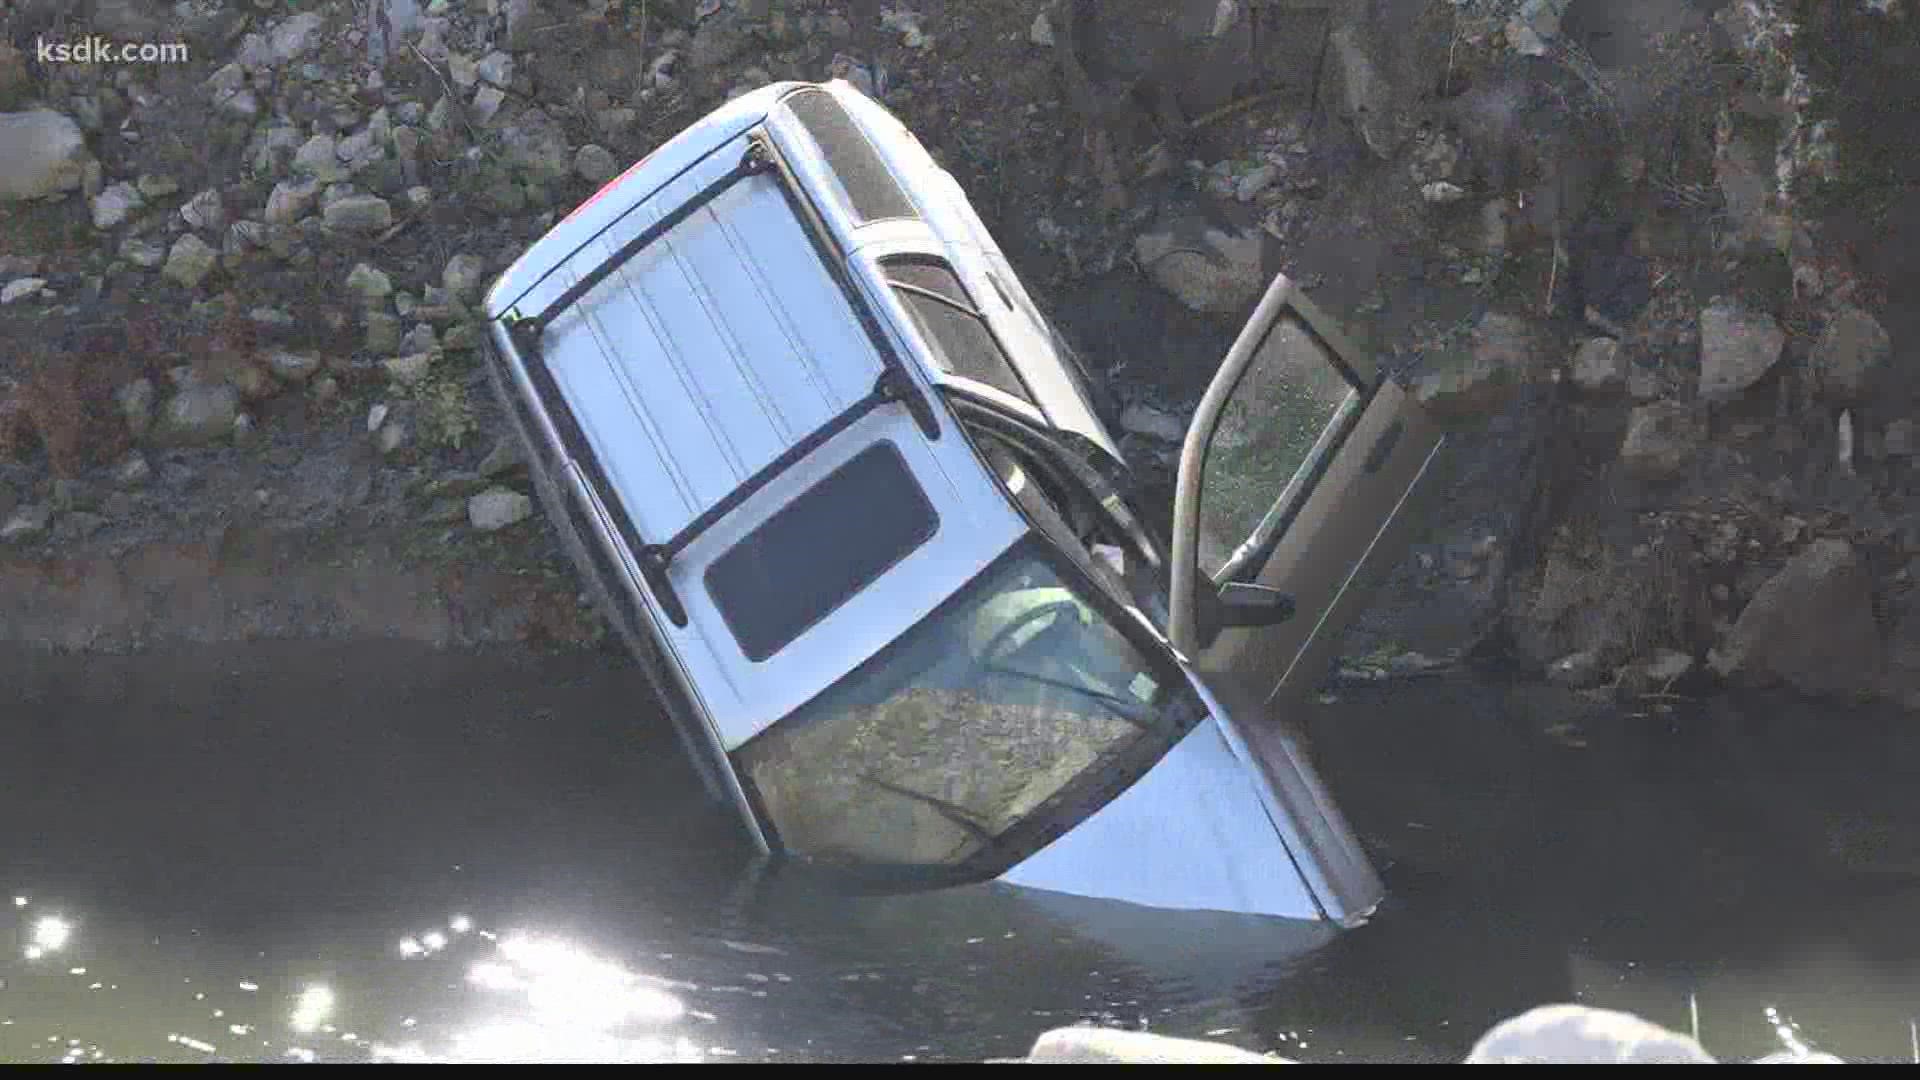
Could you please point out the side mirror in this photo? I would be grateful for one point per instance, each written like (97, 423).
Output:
(1246, 604)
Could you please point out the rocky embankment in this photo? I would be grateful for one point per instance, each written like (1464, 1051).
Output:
(1643, 253)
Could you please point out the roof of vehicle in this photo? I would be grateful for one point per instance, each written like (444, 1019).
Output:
(724, 346)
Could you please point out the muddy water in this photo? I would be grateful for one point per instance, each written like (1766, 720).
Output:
(376, 850)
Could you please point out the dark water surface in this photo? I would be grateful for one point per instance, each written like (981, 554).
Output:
(329, 851)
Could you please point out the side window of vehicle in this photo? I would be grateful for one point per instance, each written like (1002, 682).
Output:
(962, 342)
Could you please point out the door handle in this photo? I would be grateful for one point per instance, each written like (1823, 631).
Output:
(1383, 447)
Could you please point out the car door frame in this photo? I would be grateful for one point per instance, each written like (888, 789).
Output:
(1379, 435)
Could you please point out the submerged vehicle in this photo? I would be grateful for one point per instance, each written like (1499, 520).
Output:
(845, 493)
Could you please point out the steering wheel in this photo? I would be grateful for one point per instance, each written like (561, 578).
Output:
(1020, 622)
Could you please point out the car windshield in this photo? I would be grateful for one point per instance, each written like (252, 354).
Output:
(1006, 702)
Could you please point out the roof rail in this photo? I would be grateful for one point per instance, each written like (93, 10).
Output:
(894, 384)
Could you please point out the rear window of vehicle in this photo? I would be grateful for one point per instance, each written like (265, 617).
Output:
(819, 550)
(962, 342)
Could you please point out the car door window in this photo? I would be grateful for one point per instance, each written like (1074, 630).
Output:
(1273, 435)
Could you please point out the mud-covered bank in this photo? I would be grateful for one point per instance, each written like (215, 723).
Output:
(239, 397)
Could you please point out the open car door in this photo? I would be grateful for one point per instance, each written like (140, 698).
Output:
(1292, 485)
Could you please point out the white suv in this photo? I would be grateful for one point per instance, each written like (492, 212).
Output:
(844, 494)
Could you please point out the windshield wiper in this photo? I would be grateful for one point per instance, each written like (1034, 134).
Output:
(953, 812)
(1119, 707)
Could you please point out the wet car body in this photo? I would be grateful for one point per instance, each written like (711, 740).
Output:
(845, 495)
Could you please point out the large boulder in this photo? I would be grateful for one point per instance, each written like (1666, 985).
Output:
(1738, 346)
(1380, 61)
(199, 413)
(1108, 1046)
(1851, 350)
(1209, 268)
(42, 153)
(1662, 437)
(1582, 1035)
(1810, 626)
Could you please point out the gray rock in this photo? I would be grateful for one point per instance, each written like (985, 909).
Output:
(463, 276)
(20, 288)
(1153, 423)
(1737, 347)
(1576, 670)
(244, 429)
(1579, 1034)
(595, 164)
(358, 214)
(420, 338)
(1599, 365)
(496, 508)
(197, 414)
(1041, 32)
(319, 157)
(1504, 353)
(1662, 437)
(133, 470)
(380, 127)
(485, 104)
(462, 70)
(242, 103)
(142, 252)
(1850, 351)
(189, 261)
(1810, 626)
(495, 68)
(26, 522)
(278, 146)
(1109, 1046)
(296, 36)
(1207, 268)
(1744, 168)
(1531, 28)
(615, 122)
(537, 148)
(42, 153)
(292, 367)
(396, 430)
(205, 211)
(290, 200)
(116, 204)
(411, 369)
(360, 149)
(383, 332)
(463, 337)
(368, 283)
(135, 401)
(225, 80)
